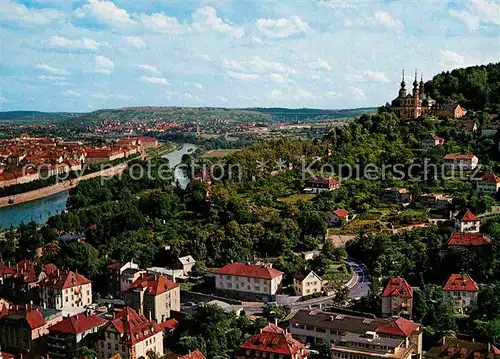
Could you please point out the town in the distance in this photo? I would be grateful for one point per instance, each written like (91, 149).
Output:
(278, 234)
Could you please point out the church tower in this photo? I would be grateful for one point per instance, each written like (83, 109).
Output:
(415, 86)
(422, 85)
(402, 90)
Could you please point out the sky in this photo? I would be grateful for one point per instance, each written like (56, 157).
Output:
(80, 56)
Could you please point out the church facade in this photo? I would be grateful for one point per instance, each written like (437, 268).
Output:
(409, 106)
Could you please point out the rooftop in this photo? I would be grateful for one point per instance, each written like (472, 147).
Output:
(250, 270)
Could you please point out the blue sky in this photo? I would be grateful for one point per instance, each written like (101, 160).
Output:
(86, 55)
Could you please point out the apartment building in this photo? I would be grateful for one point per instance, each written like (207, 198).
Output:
(130, 335)
(466, 221)
(248, 281)
(489, 183)
(307, 283)
(21, 327)
(451, 348)
(154, 296)
(115, 271)
(462, 290)
(66, 290)
(459, 161)
(66, 336)
(354, 337)
(397, 298)
(273, 344)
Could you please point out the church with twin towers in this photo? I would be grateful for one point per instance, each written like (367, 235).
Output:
(411, 105)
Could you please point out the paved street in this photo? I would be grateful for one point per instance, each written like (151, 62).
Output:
(361, 286)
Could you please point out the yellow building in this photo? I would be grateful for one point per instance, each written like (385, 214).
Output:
(409, 106)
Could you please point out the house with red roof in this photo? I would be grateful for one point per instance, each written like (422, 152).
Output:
(131, 335)
(462, 291)
(488, 183)
(451, 348)
(396, 195)
(147, 142)
(66, 290)
(400, 338)
(268, 343)
(431, 141)
(338, 216)
(195, 354)
(4, 355)
(248, 281)
(67, 336)
(397, 298)
(320, 184)
(462, 241)
(153, 295)
(459, 161)
(466, 221)
(21, 327)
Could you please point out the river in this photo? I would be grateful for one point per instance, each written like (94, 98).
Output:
(40, 210)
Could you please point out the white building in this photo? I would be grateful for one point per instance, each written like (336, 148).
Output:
(248, 281)
(466, 221)
(489, 183)
(66, 290)
(457, 161)
(462, 290)
(307, 284)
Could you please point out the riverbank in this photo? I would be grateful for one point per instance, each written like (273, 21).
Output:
(59, 187)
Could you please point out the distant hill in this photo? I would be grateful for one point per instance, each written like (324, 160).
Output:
(36, 116)
(184, 114)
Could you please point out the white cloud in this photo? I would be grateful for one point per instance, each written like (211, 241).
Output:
(320, 65)
(332, 94)
(222, 98)
(490, 10)
(375, 76)
(338, 4)
(347, 22)
(205, 57)
(104, 65)
(275, 95)
(72, 93)
(13, 11)
(149, 68)
(471, 21)
(135, 41)
(243, 76)
(303, 94)
(3, 99)
(60, 42)
(206, 19)
(451, 59)
(387, 20)
(256, 64)
(52, 70)
(160, 22)
(50, 78)
(109, 96)
(277, 78)
(198, 85)
(356, 93)
(154, 80)
(105, 12)
(281, 28)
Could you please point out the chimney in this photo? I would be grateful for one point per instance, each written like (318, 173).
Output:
(150, 316)
(276, 321)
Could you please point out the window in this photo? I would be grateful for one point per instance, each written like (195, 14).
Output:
(257, 288)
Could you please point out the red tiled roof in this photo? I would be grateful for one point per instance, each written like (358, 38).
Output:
(277, 343)
(78, 324)
(495, 350)
(116, 265)
(468, 239)
(452, 156)
(193, 355)
(34, 318)
(461, 283)
(272, 328)
(134, 327)
(7, 355)
(64, 279)
(398, 287)
(147, 139)
(49, 268)
(154, 284)
(469, 216)
(169, 324)
(249, 270)
(490, 177)
(399, 327)
(341, 213)
(5, 270)
(321, 180)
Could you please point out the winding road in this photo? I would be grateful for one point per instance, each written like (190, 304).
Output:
(360, 286)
